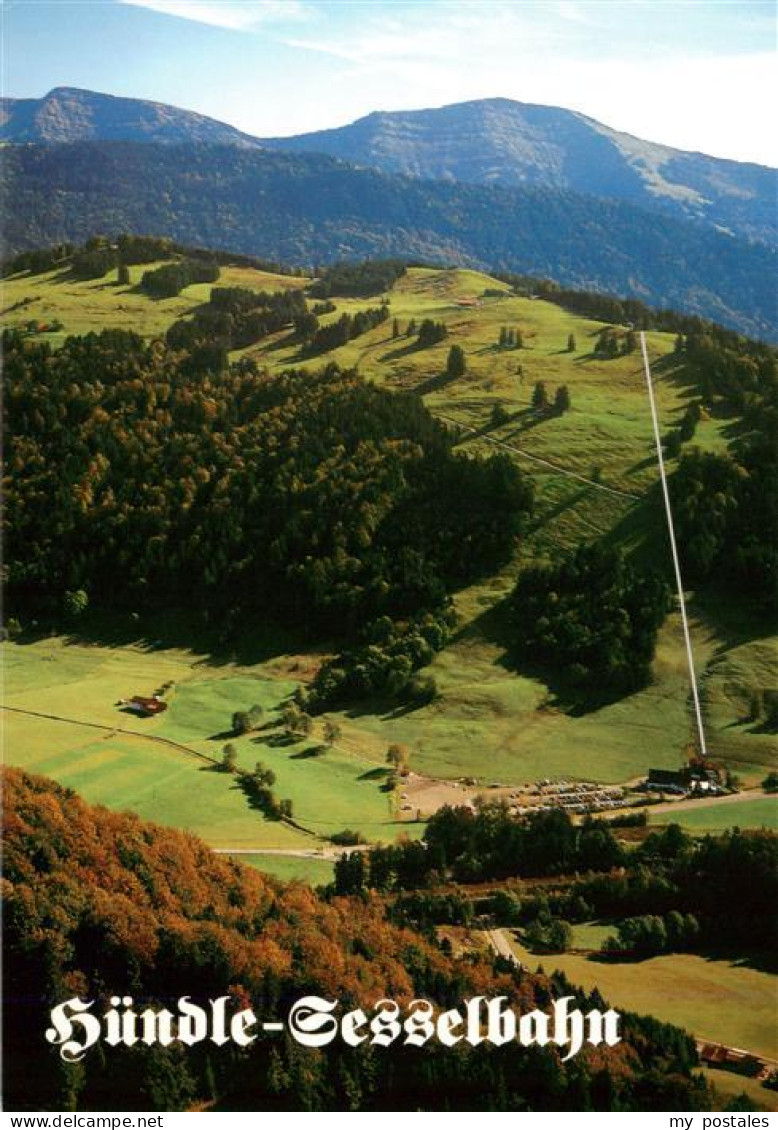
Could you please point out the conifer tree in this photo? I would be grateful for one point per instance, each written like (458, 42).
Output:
(562, 399)
(456, 365)
(539, 397)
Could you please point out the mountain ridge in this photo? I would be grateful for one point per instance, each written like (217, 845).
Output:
(491, 141)
(68, 114)
(500, 141)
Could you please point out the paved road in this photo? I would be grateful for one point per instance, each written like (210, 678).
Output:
(501, 945)
(328, 853)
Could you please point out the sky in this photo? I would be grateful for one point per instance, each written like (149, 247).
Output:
(694, 74)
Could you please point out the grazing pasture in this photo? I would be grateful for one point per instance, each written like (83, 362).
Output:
(91, 305)
(489, 721)
(64, 722)
(722, 1001)
(761, 812)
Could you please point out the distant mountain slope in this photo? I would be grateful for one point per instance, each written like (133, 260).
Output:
(69, 114)
(497, 141)
(491, 142)
(310, 209)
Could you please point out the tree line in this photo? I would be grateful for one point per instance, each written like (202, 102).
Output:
(672, 892)
(323, 339)
(233, 318)
(727, 884)
(357, 280)
(469, 846)
(170, 279)
(305, 208)
(128, 249)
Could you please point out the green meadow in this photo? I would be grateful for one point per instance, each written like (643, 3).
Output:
(728, 1086)
(91, 305)
(722, 1001)
(488, 720)
(316, 872)
(761, 812)
(114, 758)
(590, 935)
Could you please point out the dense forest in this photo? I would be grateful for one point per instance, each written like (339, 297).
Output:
(469, 846)
(725, 882)
(135, 481)
(310, 209)
(233, 318)
(357, 280)
(97, 903)
(590, 620)
(726, 506)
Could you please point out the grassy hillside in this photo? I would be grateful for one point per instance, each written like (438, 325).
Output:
(114, 758)
(484, 708)
(317, 872)
(90, 305)
(761, 812)
(309, 208)
(716, 1000)
(596, 475)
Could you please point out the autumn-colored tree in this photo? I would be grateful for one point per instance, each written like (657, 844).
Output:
(188, 922)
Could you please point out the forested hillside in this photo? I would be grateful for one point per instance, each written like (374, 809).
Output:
(98, 903)
(138, 472)
(500, 141)
(308, 209)
(487, 141)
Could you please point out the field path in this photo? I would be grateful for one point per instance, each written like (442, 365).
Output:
(537, 459)
(326, 853)
(116, 730)
(330, 853)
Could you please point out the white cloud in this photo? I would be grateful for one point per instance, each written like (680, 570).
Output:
(235, 15)
(610, 60)
(711, 101)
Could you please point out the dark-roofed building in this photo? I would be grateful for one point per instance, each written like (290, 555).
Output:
(667, 780)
